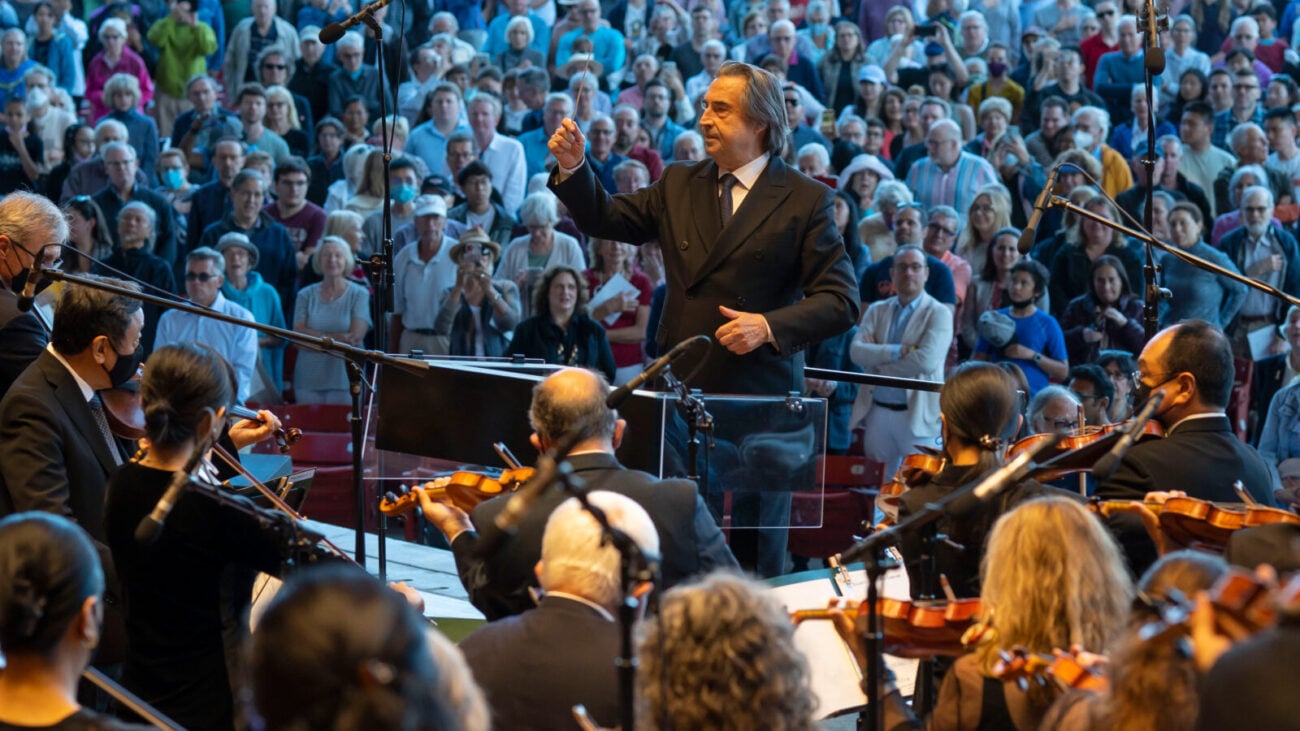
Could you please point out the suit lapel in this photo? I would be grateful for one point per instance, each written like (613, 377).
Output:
(69, 396)
(763, 199)
(708, 218)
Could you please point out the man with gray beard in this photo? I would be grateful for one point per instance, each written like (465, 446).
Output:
(1267, 253)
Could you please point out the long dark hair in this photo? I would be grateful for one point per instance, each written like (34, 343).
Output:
(981, 407)
(48, 568)
(339, 651)
(88, 209)
(1112, 261)
(182, 384)
(852, 243)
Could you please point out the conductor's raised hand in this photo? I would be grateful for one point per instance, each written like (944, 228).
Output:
(568, 144)
(744, 332)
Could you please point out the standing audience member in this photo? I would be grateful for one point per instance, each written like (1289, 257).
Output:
(136, 229)
(252, 36)
(526, 257)
(113, 58)
(122, 98)
(353, 78)
(198, 130)
(478, 312)
(121, 162)
(624, 315)
(423, 270)
(276, 260)
(1035, 344)
(1107, 317)
(184, 42)
(245, 287)
(1197, 294)
(334, 308)
(22, 155)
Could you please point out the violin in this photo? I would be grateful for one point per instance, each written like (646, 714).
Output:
(919, 629)
(1178, 521)
(1243, 603)
(1020, 666)
(1079, 442)
(463, 489)
(916, 468)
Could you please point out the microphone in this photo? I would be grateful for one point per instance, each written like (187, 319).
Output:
(1031, 228)
(151, 525)
(620, 394)
(1154, 55)
(550, 467)
(334, 31)
(28, 297)
(1106, 466)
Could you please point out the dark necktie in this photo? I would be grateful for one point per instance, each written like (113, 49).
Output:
(728, 182)
(97, 409)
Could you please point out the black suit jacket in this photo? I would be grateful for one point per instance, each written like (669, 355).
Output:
(1201, 457)
(21, 339)
(780, 256)
(535, 667)
(1265, 384)
(689, 541)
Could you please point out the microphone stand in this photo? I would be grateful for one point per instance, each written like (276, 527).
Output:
(355, 357)
(698, 421)
(871, 379)
(1152, 58)
(1194, 260)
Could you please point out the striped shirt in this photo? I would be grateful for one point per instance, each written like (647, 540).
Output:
(954, 187)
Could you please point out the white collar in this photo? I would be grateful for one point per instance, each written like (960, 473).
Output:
(87, 392)
(748, 173)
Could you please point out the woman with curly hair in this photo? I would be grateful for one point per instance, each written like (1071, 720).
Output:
(1053, 578)
(560, 330)
(721, 654)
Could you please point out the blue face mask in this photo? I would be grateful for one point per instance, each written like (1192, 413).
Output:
(173, 179)
(404, 193)
(817, 29)
(357, 74)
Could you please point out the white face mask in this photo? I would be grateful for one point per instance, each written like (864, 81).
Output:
(1083, 140)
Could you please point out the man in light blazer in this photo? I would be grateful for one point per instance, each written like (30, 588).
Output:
(906, 336)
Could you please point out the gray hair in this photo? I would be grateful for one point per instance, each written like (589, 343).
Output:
(1184, 18)
(945, 211)
(149, 213)
(1246, 21)
(583, 77)
(815, 149)
(761, 102)
(1240, 131)
(1257, 171)
(576, 557)
(1163, 140)
(559, 96)
(116, 24)
(539, 209)
(351, 39)
(245, 175)
(845, 120)
(32, 219)
(624, 108)
(122, 82)
(714, 44)
(1047, 396)
(783, 23)
(521, 22)
(995, 104)
(1127, 20)
(1257, 189)
(38, 70)
(488, 99)
(972, 15)
(1101, 116)
(106, 125)
(207, 253)
(891, 192)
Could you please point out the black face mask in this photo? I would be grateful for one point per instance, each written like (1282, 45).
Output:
(125, 368)
(20, 281)
(1141, 392)
(1020, 305)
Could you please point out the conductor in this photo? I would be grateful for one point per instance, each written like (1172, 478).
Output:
(751, 253)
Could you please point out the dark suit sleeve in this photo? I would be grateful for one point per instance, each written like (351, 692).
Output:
(32, 456)
(1131, 481)
(712, 550)
(830, 303)
(21, 341)
(492, 599)
(632, 218)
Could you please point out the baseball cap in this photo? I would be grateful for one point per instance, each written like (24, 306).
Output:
(431, 205)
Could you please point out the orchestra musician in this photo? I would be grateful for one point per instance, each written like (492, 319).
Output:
(570, 400)
(179, 588)
(27, 223)
(1191, 364)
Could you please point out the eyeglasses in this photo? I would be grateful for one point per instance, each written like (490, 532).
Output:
(275, 66)
(909, 267)
(113, 36)
(791, 102)
(1254, 209)
(200, 276)
(1105, 13)
(118, 163)
(945, 231)
(1064, 425)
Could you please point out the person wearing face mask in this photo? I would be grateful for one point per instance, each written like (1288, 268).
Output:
(404, 186)
(25, 219)
(1191, 365)
(177, 588)
(1038, 346)
(999, 83)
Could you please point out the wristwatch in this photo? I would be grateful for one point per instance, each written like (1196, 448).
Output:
(1037, 357)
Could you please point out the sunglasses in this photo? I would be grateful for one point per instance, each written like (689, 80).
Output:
(200, 276)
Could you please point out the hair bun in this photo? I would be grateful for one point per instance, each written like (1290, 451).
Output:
(990, 443)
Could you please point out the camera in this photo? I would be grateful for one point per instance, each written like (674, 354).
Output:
(926, 30)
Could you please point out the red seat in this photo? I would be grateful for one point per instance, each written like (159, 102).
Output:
(323, 448)
(316, 417)
(843, 511)
(1239, 401)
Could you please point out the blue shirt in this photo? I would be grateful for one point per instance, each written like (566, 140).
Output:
(430, 145)
(496, 34)
(1039, 332)
(902, 315)
(607, 47)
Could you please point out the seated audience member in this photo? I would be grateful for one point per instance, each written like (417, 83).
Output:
(1054, 410)
(572, 401)
(1036, 344)
(477, 313)
(246, 288)
(276, 261)
(526, 257)
(177, 628)
(1071, 267)
(337, 649)
(134, 257)
(51, 621)
(1153, 683)
(1119, 366)
(560, 330)
(334, 308)
(1197, 294)
(626, 331)
(1032, 596)
(1107, 317)
(479, 209)
(1094, 390)
(122, 97)
(205, 271)
(721, 654)
(572, 633)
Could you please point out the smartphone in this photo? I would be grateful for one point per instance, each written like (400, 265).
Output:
(925, 30)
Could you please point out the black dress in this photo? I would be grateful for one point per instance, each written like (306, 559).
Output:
(582, 343)
(178, 590)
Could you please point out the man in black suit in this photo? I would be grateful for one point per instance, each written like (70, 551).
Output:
(27, 222)
(751, 254)
(574, 400)
(536, 666)
(1191, 365)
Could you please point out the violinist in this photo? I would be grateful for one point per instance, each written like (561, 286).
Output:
(1151, 684)
(1191, 365)
(1052, 577)
(27, 222)
(979, 413)
(573, 399)
(179, 589)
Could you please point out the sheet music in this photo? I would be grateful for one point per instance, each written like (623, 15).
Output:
(615, 286)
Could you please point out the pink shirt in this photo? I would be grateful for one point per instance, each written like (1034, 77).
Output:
(98, 73)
